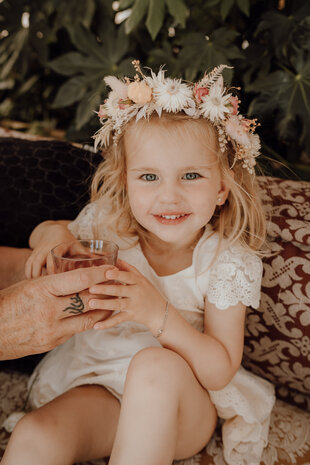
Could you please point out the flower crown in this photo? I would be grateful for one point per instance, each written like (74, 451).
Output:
(207, 98)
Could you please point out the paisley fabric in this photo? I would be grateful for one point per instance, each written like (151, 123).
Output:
(277, 339)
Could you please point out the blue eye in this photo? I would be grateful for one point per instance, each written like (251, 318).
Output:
(149, 177)
(191, 176)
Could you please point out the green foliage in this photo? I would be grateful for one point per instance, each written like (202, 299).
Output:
(53, 56)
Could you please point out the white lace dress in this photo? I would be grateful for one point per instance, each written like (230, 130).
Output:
(102, 357)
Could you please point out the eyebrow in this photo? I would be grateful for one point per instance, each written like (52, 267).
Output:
(187, 168)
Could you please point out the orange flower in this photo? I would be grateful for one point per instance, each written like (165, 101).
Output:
(139, 92)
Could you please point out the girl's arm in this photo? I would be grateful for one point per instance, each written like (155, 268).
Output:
(214, 355)
(44, 230)
(42, 239)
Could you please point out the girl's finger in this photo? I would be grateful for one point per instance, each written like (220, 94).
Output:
(38, 264)
(109, 304)
(28, 267)
(121, 276)
(50, 264)
(118, 290)
(124, 266)
(112, 321)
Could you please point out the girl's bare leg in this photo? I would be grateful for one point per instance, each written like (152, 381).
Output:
(78, 425)
(166, 414)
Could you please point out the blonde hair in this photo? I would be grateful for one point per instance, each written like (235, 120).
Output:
(241, 219)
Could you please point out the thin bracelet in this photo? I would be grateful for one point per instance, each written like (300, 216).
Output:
(161, 329)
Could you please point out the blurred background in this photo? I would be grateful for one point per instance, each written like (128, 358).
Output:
(54, 55)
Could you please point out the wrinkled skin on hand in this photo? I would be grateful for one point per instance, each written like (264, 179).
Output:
(38, 315)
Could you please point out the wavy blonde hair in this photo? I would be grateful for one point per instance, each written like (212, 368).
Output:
(241, 219)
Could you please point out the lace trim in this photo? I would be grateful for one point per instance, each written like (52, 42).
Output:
(235, 277)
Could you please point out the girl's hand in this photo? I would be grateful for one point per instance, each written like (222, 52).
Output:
(136, 299)
(41, 261)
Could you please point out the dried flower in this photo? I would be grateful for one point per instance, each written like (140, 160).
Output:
(200, 92)
(139, 92)
(172, 95)
(214, 106)
(208, 98)
(236, 130)
(234, 102)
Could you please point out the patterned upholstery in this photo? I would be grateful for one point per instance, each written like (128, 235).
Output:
(277, 339)
(48, 180)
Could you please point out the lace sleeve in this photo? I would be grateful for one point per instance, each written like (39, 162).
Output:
(81, 227)
(235, 277)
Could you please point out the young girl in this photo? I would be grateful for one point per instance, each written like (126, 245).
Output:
(177, 193)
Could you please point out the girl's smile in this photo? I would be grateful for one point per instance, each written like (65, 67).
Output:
(171, 218)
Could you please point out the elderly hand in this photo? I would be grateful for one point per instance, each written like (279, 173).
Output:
(37, 315)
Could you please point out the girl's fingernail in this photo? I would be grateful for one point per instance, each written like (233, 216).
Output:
(97, 326)
(93, 290)
(93, 303)
(109, 274)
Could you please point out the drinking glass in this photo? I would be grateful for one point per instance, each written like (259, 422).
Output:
(83, 254)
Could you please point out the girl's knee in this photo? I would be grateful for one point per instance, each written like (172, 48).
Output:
(156, 365)
(34, 428)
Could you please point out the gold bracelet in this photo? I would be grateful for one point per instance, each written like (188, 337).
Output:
(161, 329)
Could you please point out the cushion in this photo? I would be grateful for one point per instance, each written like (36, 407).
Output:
(41, 180)
(277, 339)
(288, 442)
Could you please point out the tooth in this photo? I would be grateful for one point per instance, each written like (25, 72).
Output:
(172, 217)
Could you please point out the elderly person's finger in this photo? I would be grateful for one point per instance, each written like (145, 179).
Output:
(75, 281)
(84, 322)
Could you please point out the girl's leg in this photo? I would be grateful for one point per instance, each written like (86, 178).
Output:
(166, 414)
(78, 425)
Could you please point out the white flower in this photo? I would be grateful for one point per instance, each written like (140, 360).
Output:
(214, 105)
(117, 86)
(172, 95)
(237, 131)
(111, 105)
(155, 78)
(255, 143)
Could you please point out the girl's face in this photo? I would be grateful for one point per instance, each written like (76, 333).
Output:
(173, 183)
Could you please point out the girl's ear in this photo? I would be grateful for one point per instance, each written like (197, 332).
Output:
(224, 190)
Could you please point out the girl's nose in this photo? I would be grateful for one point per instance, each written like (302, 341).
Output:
(170, 193)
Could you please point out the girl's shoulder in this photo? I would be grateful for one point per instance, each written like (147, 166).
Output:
(82, 226)
(233, 275)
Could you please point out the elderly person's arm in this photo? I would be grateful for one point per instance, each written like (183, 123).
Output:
(12, 265)
(39, 314)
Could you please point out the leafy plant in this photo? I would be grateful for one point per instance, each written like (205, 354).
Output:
(54, 55)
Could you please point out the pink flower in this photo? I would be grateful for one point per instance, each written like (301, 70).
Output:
(200, 92)
(139, 92)
(234, 102)
(102, 112)
(237, 131)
